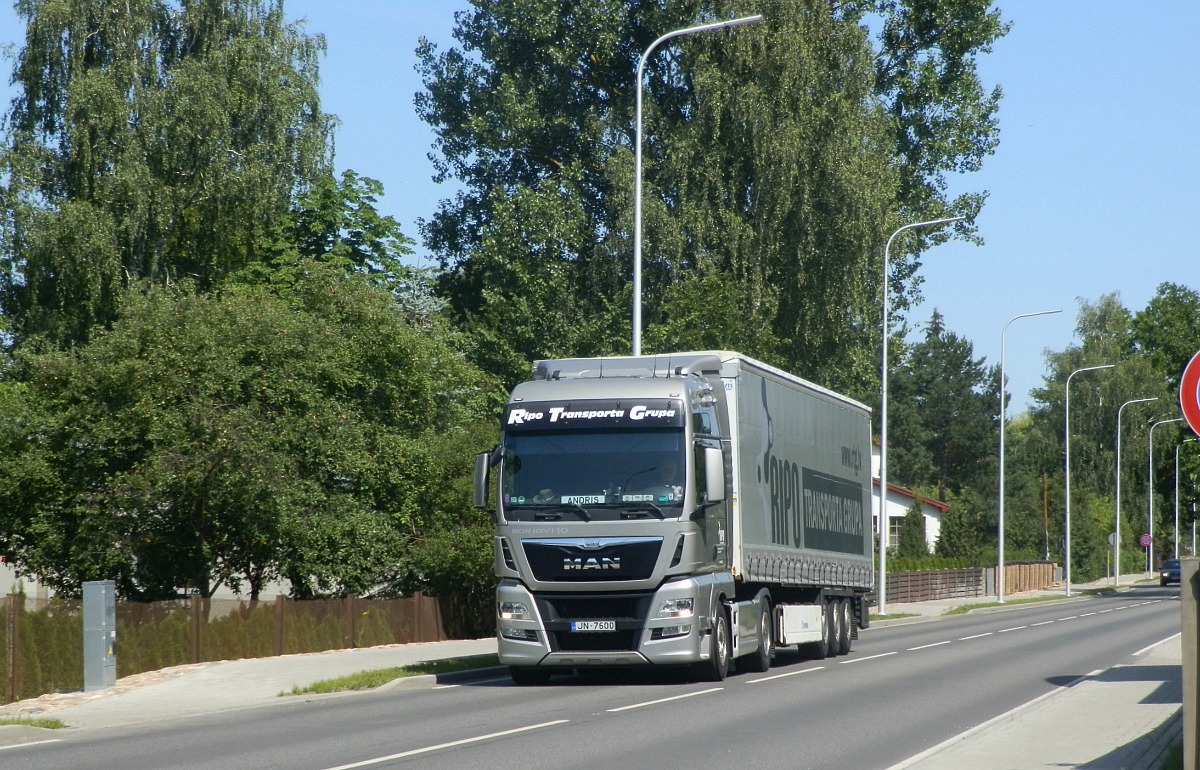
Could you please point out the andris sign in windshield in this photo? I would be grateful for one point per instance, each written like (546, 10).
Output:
(574, 415)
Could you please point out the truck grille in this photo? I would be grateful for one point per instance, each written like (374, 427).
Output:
(628, 610)
(579, 560)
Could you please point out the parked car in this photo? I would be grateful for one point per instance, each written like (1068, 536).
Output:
(1169, 572)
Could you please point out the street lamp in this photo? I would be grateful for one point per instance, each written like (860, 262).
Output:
(882, 525)
(1067, 473)
(1000, 524)
(1185, 441)
(637, 192)
(1150, 497)
(1117, 530)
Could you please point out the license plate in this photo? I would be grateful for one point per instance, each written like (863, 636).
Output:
(594, 625)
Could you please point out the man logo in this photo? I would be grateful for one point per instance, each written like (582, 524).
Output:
(591, 562)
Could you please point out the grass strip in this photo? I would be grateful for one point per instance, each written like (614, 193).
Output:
(49, 724)
(367, 680)
(965, 608)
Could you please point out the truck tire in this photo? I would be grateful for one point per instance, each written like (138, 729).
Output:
(528, 676)
(716, 668)
(760, 660)
(845, 635)
(833, 627)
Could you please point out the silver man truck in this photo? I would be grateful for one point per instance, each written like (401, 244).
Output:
(683, 509)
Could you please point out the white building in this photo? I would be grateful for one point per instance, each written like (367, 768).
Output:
(899, 500)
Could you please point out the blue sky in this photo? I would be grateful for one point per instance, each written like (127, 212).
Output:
(1093, 188)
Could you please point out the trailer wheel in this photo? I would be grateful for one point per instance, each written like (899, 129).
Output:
(528, 676)
(846, 618)
(716, 668)
(760, 661)
(833, 627)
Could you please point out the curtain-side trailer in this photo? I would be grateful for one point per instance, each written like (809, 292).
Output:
(676, 509)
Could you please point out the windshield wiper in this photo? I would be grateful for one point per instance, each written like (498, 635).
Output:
(635, 510)
(550, 512)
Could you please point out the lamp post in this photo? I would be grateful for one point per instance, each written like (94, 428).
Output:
(1177, 446)
(1150, 497)
(1067, 473)
(1000, 523)
(637, 192)
(882, 526)
(1117, 530)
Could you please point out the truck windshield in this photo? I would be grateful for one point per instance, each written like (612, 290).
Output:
(594, 474)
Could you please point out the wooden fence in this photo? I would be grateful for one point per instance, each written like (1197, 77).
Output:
(41, 640)
(928, 585)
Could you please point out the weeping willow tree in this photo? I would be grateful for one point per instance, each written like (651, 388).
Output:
(777, 158)
(149, 139)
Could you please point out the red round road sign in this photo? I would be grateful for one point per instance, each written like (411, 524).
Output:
(1189, 393)
(1146, 540)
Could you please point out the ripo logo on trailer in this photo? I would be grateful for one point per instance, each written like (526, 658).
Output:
(1189, 393)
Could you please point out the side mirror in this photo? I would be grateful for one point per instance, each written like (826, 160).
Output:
(714, 475)
(482, 466)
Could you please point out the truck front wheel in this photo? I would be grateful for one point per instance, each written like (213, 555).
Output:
(716, 668)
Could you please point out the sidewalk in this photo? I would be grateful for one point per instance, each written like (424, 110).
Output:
(1123, 718)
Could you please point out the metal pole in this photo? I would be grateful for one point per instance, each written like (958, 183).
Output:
(1000, 523)
(1150, 497)
(1067, 474)
(1117, 529)
(1176, 543)
(882, 524)
(637, 163)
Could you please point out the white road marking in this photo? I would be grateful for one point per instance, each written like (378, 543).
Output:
(927, 646)
(1014, 628)
(1148, 648)
(781, 676)
(1043, 623)
(976, 636)
(665, 700)
(31, 743)
(869, 657)
(451, 744)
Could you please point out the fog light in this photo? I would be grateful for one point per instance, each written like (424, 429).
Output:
(520, 634)
(670, 632)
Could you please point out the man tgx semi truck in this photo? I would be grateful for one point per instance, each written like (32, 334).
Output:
(676, 509)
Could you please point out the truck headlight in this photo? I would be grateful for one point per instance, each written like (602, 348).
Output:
(676, 608)
(513, 611)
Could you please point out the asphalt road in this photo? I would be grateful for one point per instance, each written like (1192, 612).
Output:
(901, 690)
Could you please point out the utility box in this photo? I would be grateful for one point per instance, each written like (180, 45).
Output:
(99, 635)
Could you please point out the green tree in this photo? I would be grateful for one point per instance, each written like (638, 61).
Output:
(154, 140)
(968, 529)
(773, 171)
(239, 437)
(1168, 330)
(912, 532)
(1106, 330)
(945, 404)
